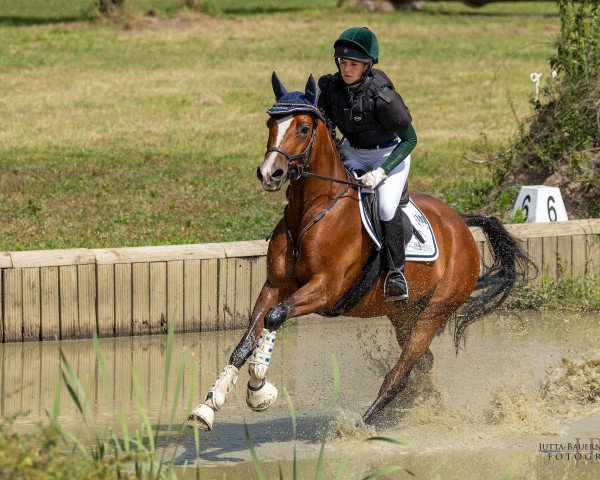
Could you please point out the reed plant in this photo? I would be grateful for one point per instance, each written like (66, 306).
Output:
(126, 454)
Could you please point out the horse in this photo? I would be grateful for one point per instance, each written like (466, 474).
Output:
(319, 248)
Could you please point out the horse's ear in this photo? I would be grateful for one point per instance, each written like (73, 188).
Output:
(278, 88)
(310, 91)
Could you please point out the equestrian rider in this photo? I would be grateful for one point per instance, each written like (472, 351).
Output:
(378, 137)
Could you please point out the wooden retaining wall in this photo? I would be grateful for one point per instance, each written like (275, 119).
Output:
(61, 294)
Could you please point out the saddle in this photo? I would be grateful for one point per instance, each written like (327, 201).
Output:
(377, 264)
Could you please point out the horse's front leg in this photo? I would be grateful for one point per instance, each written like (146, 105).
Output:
(310, 298)
(204, 413)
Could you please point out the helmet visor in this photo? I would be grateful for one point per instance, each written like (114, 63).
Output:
(351, 54)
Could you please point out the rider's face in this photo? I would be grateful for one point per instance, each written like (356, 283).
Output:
(352, 70)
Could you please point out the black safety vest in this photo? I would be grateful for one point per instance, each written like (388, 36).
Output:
(369, 117)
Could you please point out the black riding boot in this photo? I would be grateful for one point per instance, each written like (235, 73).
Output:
(395, 287)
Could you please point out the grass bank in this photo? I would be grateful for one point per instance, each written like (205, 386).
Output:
(152, 134)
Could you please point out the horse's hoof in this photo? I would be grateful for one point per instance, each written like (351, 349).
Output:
(425, 363)
(261, 398)
(202, 416)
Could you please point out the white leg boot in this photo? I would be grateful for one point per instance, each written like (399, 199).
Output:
(261, 393)
(204, 413)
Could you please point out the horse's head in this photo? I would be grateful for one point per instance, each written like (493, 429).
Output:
(292, 130)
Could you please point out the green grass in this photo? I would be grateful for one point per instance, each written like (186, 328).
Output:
(151, 134)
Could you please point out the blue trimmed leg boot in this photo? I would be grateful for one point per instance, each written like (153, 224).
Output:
(396, 287)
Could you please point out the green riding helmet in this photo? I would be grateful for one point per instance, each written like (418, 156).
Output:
(357, 43)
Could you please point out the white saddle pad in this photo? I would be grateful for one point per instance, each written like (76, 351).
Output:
(415, 250)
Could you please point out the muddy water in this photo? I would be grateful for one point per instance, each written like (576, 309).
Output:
(522, 393)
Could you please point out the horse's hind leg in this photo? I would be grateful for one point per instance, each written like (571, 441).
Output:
(403, 327)
(414, 349)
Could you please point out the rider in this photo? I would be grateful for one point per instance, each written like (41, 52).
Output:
(362, 103)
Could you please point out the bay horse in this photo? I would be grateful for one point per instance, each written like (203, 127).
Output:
(318, 250)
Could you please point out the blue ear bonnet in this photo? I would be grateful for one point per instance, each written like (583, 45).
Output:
(294, 102)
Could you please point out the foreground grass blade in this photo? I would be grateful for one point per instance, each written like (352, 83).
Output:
(342, 465)
(140, 406)
(74, 387)
(124, 430)
(290, 403)
(388, 440)
(508, 474)
(386, 471)
(102, 364)
(292, 409)
(257, 466)
(320, 461)
(175, 404)
(56, 404)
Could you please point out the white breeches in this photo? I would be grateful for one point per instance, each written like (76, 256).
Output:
(390, 190)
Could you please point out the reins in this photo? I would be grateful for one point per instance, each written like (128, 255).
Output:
(296, 171)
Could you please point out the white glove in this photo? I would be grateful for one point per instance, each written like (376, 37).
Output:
(373, 178)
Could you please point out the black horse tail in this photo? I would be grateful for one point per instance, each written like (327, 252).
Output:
(509, 268)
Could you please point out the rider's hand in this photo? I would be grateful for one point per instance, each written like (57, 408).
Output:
(373, 178)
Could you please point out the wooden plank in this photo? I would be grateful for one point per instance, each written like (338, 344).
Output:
(488, 258)
(86, 278)
(564, 257)
(259, 277)
(578, 255)
(5, 260)
(555, 229)
(52, 258)
(106, 300)
(123, 300)
(175, 303)
(192, 271)
(227, 273)
(209, 298)
(535, 252)
(593, 256)
(13, 304)
(50, 303)
(32, 320)
(242, 292)
(163, 253)
(253, 248)
(69, 311)
(141, 298)
(158, 298)
(481, 254)
(478, 234)
(549, 246)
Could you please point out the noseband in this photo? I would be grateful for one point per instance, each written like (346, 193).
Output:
(295, 171)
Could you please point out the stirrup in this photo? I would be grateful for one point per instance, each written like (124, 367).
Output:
(397, 293)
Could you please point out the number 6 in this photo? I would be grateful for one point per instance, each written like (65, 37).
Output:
(551, 210)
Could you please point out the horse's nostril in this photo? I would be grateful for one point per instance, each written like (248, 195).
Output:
(258, 174)
(277, 174)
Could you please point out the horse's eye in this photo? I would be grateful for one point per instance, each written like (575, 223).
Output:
(304, 130)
